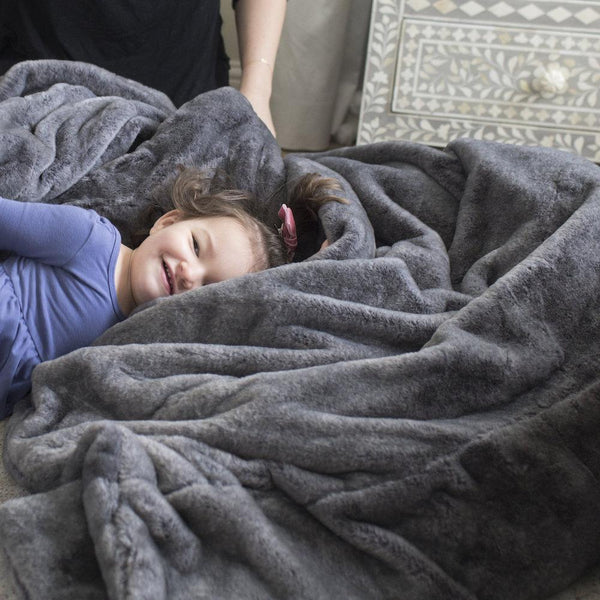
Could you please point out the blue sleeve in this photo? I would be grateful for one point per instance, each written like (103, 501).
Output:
(49, 233)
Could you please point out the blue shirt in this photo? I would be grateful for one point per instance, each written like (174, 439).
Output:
(57, 289)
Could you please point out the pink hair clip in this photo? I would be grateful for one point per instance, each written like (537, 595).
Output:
(288, 230)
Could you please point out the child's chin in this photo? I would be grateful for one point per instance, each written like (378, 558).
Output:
(154, 296)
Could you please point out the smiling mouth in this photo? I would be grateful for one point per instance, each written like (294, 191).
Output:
(169, 278)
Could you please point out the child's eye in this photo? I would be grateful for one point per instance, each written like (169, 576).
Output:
(196, 246)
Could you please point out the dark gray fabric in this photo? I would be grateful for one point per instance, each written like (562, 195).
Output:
(412, 413)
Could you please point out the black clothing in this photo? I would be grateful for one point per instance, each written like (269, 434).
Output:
(172, 45)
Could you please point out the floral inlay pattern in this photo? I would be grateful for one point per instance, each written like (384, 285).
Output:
(432, 80)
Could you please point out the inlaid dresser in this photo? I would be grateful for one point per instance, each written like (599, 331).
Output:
(525, 72)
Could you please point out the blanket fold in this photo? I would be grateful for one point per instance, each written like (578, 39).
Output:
(411, 412)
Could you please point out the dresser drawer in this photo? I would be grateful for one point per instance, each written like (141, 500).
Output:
(512, 71)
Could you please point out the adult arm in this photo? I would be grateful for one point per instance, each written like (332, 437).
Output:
(49, 233)
(259, 24)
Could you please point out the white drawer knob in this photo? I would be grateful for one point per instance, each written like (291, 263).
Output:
(549, 80)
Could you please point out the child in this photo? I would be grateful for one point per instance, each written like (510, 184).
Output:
(69, 278)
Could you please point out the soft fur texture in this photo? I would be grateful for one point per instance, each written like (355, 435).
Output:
(413, 413)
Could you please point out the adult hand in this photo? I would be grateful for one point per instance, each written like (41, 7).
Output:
(260, 104)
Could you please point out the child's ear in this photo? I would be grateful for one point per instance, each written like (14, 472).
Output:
(167, 219)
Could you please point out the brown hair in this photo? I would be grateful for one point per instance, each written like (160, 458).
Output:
(196, 194)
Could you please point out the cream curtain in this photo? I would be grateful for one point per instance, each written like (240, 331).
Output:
(316, 98)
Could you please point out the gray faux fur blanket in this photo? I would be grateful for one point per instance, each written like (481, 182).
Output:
(410, 414)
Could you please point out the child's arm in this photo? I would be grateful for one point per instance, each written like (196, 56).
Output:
(50, 233)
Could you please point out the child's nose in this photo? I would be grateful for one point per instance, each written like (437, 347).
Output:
(190, 275)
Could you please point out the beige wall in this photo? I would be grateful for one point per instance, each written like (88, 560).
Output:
(229, 32)
(231, 46)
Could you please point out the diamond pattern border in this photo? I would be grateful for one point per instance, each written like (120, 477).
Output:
(569, 13)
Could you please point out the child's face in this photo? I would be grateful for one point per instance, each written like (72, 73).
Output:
(180, 255)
